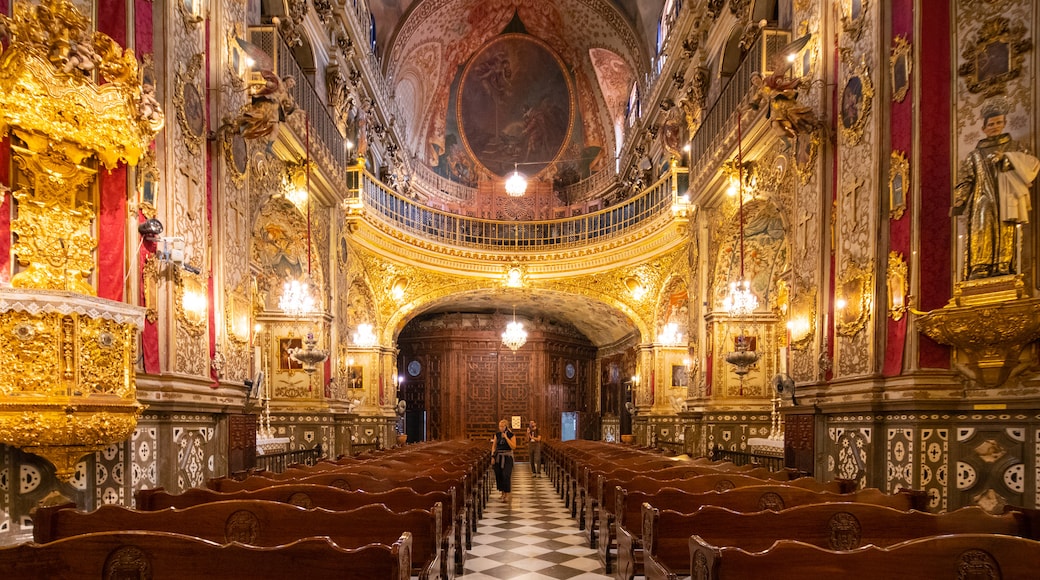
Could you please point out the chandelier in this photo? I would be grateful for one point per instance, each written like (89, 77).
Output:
(516, 185)
(296, 300)
(310, 356)
(670, 335)
(364, 337)
(514, 336)
(741, 301)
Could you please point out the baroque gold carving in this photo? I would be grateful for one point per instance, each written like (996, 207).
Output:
(189, 290)
(988, 354)
(50, 96)
(854, 288)
(898, 184)
(854, 16)
(898, 286)
(995, 56)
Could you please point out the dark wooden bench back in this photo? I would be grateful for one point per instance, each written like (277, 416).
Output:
(835, 526)
(169, 556)
(968, 556)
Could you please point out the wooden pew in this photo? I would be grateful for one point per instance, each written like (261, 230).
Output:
(169, 556)
(969, 556)
(320, 496)
(259, 523)
(835, 526)
(775, 497)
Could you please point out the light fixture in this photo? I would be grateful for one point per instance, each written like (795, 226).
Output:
(515, 277)
(514, 336)
(516, 185)
(310, 356)
(741, 301)
(397, 290)
(364, 337)
(670, 335)
(296, 300)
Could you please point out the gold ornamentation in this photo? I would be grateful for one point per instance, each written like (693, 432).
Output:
(854, 290)
(190, 297)
(995, 57)
(236, 157)
(187, 99)
(803, 317)
(237, 316)
(150, 272)
(988, 354)
(191, 13)
(806, 147)
(898, 184)
(854, 16)
(898, 286)
(54, 227)
(854, 108)
(900, 64)
(148, 185)
(50, 96)
(66, 374)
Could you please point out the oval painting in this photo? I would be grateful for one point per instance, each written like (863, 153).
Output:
(515, 105)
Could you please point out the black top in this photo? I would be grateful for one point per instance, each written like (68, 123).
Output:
(501, 444)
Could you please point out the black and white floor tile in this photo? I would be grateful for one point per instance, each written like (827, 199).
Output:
(533, 539)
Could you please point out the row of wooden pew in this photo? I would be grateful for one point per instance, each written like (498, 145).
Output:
(670, 518)
(407, 512)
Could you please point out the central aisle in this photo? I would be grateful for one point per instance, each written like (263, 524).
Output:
(535, 539)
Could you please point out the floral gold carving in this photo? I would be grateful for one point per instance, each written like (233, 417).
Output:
(995, 56)
(898, 286)
(854, 16)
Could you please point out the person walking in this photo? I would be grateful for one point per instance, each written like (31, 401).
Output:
(534, 447)
(502, 447)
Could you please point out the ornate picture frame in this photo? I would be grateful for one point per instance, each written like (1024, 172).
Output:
(237, 308)
(191, 13)
(857, 95)
(898, 184)
(854, 290)
(236, 154)
(188, 284)
(148, 178)
(900, 64)
(854, 16)
(680, 376)
(995, 57)
(285, 362)
(897, 284)
(191, 110)
(807, 146)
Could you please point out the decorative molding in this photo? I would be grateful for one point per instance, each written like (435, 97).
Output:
(857, 94)
(995, 57)
(900, 64)
(898, 184)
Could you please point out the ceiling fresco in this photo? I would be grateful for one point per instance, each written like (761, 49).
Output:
(477, 98)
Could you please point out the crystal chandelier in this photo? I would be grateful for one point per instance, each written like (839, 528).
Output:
(364, 337)
(670, 335)
(514, 336)
(516, 185)
(310, 356)
(296, 300)
(741, 301)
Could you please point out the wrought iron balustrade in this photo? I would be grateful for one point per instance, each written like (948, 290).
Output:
(651, 207)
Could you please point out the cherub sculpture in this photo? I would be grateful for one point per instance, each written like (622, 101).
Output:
(270, 103)
(787, 116)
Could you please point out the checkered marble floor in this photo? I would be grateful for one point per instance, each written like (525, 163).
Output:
(535, 539)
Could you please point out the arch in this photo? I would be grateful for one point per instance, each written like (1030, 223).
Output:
(592, 314)
(732, 55)
(765, 252)
(279, 248)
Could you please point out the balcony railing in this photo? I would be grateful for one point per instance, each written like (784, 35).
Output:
(322, 127)
(401, 214)
(717, 119)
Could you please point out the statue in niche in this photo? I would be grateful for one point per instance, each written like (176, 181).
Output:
(993, 194)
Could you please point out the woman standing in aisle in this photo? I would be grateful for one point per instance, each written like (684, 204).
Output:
(502, 459)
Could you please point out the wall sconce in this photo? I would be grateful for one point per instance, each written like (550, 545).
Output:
(853, 298)
(364, 337)
(192, 303)
(670, 335)
(898, 300)
(294, 185)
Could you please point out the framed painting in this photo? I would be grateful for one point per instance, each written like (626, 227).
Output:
(995, 57)
(857, 95)
(854, 16)
(900, 64)
(679, 376)
(806, 147)
(286, 345)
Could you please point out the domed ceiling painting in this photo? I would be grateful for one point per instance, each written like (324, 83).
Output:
(486, 84)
